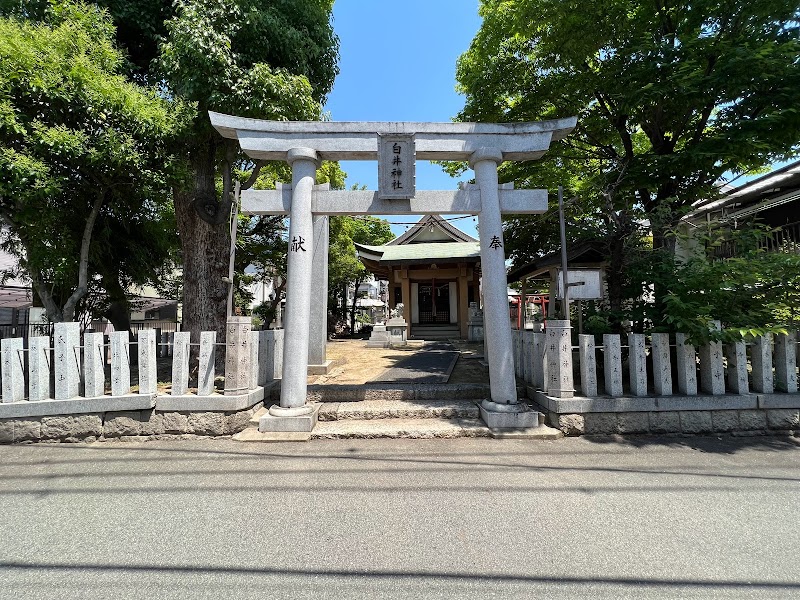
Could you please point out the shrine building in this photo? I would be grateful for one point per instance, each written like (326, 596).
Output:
(433, 269)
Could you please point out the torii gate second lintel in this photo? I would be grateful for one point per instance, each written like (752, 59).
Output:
(485, 145)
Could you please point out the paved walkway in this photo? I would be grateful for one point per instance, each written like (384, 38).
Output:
(432, 364)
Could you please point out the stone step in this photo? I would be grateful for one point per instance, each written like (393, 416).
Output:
(257, 415)
(424, 429)
(400, 428)
(435, 336)
(397, 391)
(398, 409)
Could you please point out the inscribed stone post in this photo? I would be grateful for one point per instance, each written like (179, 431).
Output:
(254, 367)
(612, 364)
(94, 372)
(180, 363)
(517, 346)
(559, 363)
(637, 356)
(148, 367)
(786, 362)
(586, 353)
(712, 373)
(538, 360)
(686, 360)
(67, 360)
(237, 356)
(527, 356)
(275, 364)
(39, 367)
(318, 316)
(737, 367)
(761, 359)
(206, 374)
(13, 369)
(662, 367)
(121, 363)
(265, 342)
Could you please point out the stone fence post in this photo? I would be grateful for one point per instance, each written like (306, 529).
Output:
(206, 371)
(94, 365)
(13, 370)
(761, 358)
(237, 356)
(39, 366)
(559, 359)
(588, 365)
(270, 355)
(148, 367)
(120, 363)
(786, 362)
(686, 360)
(612, 364)
(637, 362)
(662, 367)
(67, 360)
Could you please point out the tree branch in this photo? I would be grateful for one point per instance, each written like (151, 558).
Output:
(254, 175)
(68, 312)
(53, 311)
(619, 122)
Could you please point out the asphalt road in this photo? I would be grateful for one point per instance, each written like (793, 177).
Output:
(575, 518)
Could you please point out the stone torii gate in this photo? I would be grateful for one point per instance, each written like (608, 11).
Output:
(303, 144)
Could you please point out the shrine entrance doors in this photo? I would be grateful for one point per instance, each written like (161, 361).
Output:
(435, 302)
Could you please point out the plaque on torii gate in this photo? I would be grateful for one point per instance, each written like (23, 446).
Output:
(396, 167)
(305, 143)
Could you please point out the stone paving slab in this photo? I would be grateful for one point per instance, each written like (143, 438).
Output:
(398, 409)
(431, 365)
(401, 428)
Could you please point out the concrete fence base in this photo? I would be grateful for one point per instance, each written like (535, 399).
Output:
(170, 421)
(750, 414)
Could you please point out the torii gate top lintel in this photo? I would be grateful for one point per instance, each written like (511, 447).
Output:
(343, 140)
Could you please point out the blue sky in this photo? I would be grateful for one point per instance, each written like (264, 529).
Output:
(397, 63)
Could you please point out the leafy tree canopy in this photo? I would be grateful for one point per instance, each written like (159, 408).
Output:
(79, 144)
(669, 94)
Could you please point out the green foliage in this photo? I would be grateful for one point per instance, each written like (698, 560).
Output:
(274, 60)
(597, 324)
(261, 242)
(344, 267)
(343, 264)
(751, 292)
(669, 97)
(79, 145)
(364, 318)
(200, 64)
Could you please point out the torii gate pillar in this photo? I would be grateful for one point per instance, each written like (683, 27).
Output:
(299, 262)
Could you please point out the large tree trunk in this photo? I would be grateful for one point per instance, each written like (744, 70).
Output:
(119, 309)
(664, 247)
(353, 307)
(205, 250)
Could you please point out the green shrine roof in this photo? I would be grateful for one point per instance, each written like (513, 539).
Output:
(449, 251)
